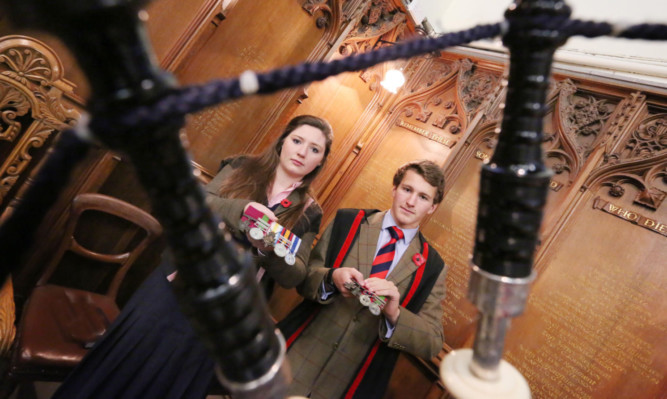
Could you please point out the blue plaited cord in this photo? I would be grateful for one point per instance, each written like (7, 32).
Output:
(195, 98)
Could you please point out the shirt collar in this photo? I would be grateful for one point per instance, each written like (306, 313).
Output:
(388, 221)
(294, 185)
(283, 194)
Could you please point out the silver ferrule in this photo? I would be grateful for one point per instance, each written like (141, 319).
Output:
(498, 298)
(271, 385)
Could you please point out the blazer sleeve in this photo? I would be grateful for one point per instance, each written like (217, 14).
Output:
(289, 276)
(316, 271)
(420, 334)
(230, 210)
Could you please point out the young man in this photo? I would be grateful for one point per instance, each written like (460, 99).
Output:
(336, 347)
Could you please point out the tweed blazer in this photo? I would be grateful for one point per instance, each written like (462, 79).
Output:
(329, 351)
(231, 210)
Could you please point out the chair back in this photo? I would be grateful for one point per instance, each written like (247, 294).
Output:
(124, 260)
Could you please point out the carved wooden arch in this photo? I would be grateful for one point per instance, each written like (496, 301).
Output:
(641, 161)
(575, 121)
(31, 106)
(433, 78)
(644, 174)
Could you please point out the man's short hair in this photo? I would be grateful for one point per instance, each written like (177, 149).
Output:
(429, 171)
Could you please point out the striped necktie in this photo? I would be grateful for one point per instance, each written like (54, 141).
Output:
(385, 256)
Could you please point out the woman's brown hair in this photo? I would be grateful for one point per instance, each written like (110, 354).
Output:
(252, 178)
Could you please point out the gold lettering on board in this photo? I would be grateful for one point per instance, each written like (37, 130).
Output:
(632, 217)
(428, 134)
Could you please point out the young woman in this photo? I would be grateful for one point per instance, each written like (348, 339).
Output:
(151, 351)
(277, 182)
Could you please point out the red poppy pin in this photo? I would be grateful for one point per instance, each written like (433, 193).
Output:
(285, 203)
(418, 259)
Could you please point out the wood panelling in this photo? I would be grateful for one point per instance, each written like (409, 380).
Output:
(264, 36)
(595, 321)
(600, 302)
(174, 25)
(33, 107)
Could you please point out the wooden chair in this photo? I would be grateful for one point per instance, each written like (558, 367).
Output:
(59, 324)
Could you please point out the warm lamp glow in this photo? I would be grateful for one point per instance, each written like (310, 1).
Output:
(393, 79)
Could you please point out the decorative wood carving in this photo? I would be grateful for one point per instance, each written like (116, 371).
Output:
(332, 15)
(382, 20)
(433, 104)
(319, 6)
(581, 115)
(302, 95)
(648, 139)
(622, 118)
(372, 76)
(579, 121)
(652, 197)
(436, 70)
(642, 163)
(474, 86)
(31, 105)
(13, 104)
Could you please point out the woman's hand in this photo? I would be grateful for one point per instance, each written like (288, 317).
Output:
(260, 244)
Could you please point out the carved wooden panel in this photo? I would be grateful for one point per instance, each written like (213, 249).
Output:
(32, 108)
(576, 132)
(474, 86)
(638, 169)
(579, 120)
(382, 23)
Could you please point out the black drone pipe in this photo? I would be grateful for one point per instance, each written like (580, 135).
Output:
(514, 183)
(219, 292)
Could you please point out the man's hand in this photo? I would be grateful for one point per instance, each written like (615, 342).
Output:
(260, 244)
(344, 274)
(388, 290)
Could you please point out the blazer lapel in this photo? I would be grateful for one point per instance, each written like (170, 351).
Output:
(405, 266)
(368, 238)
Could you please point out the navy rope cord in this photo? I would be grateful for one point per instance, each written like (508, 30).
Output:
(194, 98)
